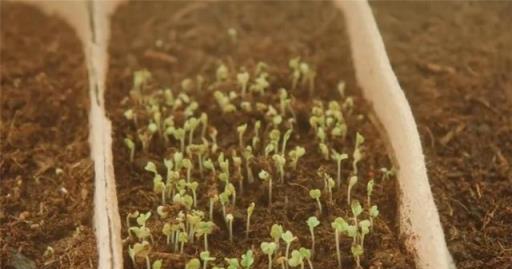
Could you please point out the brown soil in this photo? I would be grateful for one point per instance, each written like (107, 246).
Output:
(180, 40)
(454, 62)
(44, 127)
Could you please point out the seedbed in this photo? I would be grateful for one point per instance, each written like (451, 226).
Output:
(453, 61)
(184, 59)
(46, 186)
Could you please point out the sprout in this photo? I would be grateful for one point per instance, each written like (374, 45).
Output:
(243, 79)
(279, 162)
(138, 248)
(178, 134)
(312, 222)
(294, 65)
(256, 137)
(340, 226)
(241, 130)
(193, 264)
(296, 259)
(364, 225)
(324, 150)
(265, 176)
(131, 147)
(338, 158)
(204, 123)
(131, 216)
(168, 231)
(237, 162)
(247, 259)
(182, 239)
(260, 84)
(274, 137)
(229, 219)
(286, 137)
(369, 191)
(315, 194)
(373, 212)
(386, 173)
(193, 187)
(232, 263)
(205, 257)
(295, 155)
(222, 73)
(204, 228)
(208, 164)
(224, 199)
(191, 125)
(328, 185)
(351, 183)
(306, 254)
(357, 155)
(157, 264)
(232, 191)
(224, 102)
(187, 164)
(140, 78)
(212, 201)
(248, 156)
(250, 210)
(356, 210)
(198, 150)
(357, 252)
(268, 248)
(276, 231)
(288, 238)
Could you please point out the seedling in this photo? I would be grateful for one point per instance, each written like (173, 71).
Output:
(369, 191)
(187, 164)
(288, 238)
(157, 264)
(295, 155)
(193, 264)
(328, 185)
(286, 137)
(193, 187)
(204, 228)
(265, 176)
(204, 123)
(131, 216)
(139, 249)
(295, 66)
(357, 252)
(243, 79)
(256, 138)
(205, 257)
(131, 147)
(268, 248)
(364, 225)
(250, 210)
(182, 239)
(232, 263)
(306, 254)
(247, 259)
(237, 162)
(373, 212)
(296, 259)
(351, 183)
(241, 130)
(340, 226)
(357, 209)
(222, 73)
(276, 232)
(358, 154)
(212, 201)
(324, 150)
(248, 156)
(312, 222)
(260, 84)
(279, 162)
(338, 158)
(315, 194)
(272, 146)
(224, 102)
(229, 219)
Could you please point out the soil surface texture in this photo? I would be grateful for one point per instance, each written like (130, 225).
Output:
(454, 62)
(46, 184)
(178, 41)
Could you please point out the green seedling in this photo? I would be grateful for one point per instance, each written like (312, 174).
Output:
(233, 263)
(315, 194)
(208, 164)
(212, 201)
(157, 264)
(324, 150)
(131, 216)
(294, 64)
(369, 191)
(268, 248)
(224, 102)
(193, 264)
(204, 124)
(204, 228)
(178, 134)
(328, 185)
(193, 187)
(241, 130)
(139, 249)
(222, 73)
(288, 238)
(272, 146)
(276, 231)
(205, 257)
(243, 80)
(260, 84)
(296, 259)
(187, 164)
(190, 126)
(279, 162)
(198, 150)
(237, 162)
(312, 223)
(351, 183)
(357, 252)
(250, 210)
(373, 212)
(182, 239)
(306, 254)
(213, 135)
(224, 200)
(358, 154)
(232, 192)
(256, 138)
(286, 137)
(229, 220)
(357, 209)
(338, 158)
(364, 226)
(265, 176)
(248, 156)
(247, 259)
(340, 226)
(295, 155)
(131, 147)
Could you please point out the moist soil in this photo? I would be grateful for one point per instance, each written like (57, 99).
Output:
(46, 181)
(180, 40)
(454, 62)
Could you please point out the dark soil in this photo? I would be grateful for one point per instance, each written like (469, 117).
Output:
(179, 40)
(44, 128)
(454, 62)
